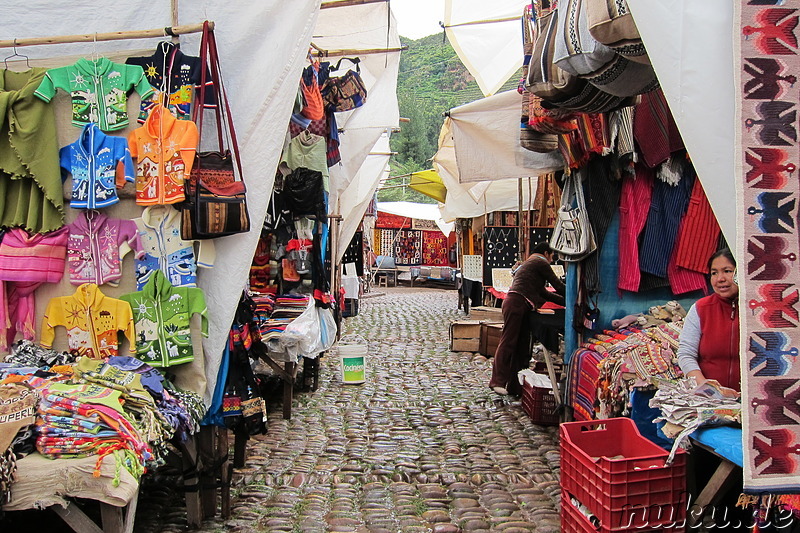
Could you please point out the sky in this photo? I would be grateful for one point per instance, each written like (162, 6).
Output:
(418, 18)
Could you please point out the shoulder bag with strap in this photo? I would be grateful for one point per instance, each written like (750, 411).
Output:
(216, 204)
(573, 237)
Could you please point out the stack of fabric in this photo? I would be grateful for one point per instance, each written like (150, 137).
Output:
(287, 307)
(88, 420)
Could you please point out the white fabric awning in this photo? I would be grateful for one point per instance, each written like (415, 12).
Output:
(418, 211)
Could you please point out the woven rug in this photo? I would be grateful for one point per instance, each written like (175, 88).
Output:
(408, 247)
(768, 154)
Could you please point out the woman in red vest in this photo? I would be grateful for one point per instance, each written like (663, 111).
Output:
(709, 342)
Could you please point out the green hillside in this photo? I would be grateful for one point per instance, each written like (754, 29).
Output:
(431, 80)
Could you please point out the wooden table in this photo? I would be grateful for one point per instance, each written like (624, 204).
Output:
(721, 481)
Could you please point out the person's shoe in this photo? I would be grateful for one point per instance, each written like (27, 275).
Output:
(500, 390)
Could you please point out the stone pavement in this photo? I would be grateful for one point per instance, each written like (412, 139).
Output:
(423, 445)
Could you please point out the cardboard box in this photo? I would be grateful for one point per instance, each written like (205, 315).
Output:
(490, 338)
(486, 314)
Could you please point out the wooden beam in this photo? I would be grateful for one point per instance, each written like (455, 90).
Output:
(346, 3)
(112, 36)
(75, 518)
(355, 51)
(486, 21)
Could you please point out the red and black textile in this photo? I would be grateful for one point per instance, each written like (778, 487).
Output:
(390, 221)
(654, 129)
(408, 247)
(434, 248)
(259, 269)
(581, 393)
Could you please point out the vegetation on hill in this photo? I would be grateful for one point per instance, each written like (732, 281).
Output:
(431, 80)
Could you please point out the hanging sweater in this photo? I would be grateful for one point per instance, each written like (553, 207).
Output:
(30, 179)
(164, 149)
(92, 321)
(97, 245)
(163, 316)
(99, 163)
(99, 90)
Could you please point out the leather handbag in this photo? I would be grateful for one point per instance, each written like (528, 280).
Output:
(572, 237)
(576, 50)
(611, 23)
(346, 92)
(216, 202)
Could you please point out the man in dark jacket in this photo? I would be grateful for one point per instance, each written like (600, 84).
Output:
(528, 292)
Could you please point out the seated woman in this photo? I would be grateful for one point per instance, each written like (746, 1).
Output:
(709, 342)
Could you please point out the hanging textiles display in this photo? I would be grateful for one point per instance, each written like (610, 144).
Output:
(386, 239)
(387, 220)
(434, 248)
(500, 247)
(408, 247)
(547, 201)
(767, 153)
(355, 253)
(425, 225)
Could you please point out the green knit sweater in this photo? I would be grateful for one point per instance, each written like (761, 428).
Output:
(30, 177)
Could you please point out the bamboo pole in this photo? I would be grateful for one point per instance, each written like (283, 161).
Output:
(111, 36)
(473, 22)
(174, 11)
(346, 3)
(355, 51)
(520, 223)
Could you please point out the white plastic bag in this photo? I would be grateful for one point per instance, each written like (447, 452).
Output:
(302, 336)
(327, 326)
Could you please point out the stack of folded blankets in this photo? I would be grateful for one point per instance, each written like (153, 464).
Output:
(287, 308)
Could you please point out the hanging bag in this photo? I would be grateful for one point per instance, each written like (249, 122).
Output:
(573, 237)
(346, 92)
(313, 105)
(216, 203)
(576, 51)
(611, 23)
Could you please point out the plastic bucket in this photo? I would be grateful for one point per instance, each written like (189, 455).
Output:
(353, 362)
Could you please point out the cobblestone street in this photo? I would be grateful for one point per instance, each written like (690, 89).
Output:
(422, 445)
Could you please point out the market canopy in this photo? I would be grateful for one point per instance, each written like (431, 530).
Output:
(429, 183)
(487, 37)
(419, 211)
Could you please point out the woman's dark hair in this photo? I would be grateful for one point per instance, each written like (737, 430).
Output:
(542, 248)
(724, 252)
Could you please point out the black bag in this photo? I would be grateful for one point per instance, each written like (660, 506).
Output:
(216, 203)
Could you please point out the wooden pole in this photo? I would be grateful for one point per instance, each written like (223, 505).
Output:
(520, 223)
(355, 51)
(174, 10)
(112, 36)
(346, 3)
(473, 22)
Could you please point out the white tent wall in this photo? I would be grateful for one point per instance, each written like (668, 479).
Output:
(467, 200)
(491, 51)
(263, 49)
(690, 45)
(364, 141)
(418, 211)
(361, 190)
(486, 139)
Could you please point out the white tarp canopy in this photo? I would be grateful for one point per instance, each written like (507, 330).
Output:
(467, 200)
(418, 211)
(487, 36)
(691, 47)
(486, 139)
(363, 134)
(263, 49)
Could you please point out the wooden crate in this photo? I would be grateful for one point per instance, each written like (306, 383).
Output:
(465, 335)
(486, 314)
(490, 338)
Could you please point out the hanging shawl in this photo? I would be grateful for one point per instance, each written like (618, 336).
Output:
(30, 177)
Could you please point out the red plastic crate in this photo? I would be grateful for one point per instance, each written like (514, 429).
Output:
(574, 521)
(613, 470)
(540, 404)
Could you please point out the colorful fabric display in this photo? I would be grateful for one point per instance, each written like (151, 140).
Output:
(176, 77)
(30, 180)
(164, 148)
(96, 247)
(27, 353)
(163, 318)
(93, 402)
(160, 233)
(99, 164)
(27, 261)
(92, 321)
(99, 90)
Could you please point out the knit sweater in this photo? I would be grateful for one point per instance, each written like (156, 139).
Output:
(30, 179)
